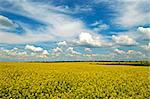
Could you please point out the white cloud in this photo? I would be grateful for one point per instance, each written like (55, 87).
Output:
(87, 39)
(12, 38)
(71, 51)
(59, 24)
(67, 51)
(45, 52)
(62, 43)
(118, 51)
(87, 50)
(57, 50)
(62, 26)
(22, 53)
(101, 27)
(36, 51)
(33, 48)
(68, 54)
(145, 31)
(146, 47)
(12, 53)
(133, 52)
(7, 23)
(123, 40)
(135, 15)
(128, 53)
(16, 54)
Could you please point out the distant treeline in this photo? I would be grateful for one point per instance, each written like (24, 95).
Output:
(134, 63)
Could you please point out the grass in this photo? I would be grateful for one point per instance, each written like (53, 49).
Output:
(77, 80)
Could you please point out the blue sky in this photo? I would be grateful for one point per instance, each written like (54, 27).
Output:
(57, 30)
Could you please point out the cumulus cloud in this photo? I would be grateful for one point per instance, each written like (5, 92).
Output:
(145, 31)
(123, 40)
(12, 54)
(71, 51)
(64, 51)
(128, 53)
(33, 48)
(36, 51)
(57, 50)
(133, 52)
(68, 54)
(87, 39)
(118, 51)
(45, 52)
(28, 54)
(62, 43)
(16, 54)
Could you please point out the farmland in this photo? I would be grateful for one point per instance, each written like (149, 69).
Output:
(72, 80)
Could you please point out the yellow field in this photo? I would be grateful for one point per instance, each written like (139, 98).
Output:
(73, 80)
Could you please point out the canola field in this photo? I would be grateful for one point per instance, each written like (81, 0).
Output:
(74, 80)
